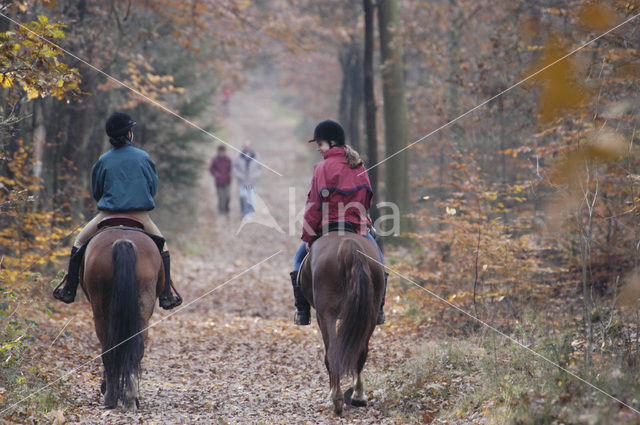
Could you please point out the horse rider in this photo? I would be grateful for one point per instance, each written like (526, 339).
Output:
(123, 180)
(339, 180)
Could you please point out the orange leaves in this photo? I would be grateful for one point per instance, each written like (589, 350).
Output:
(598, 17)
(605, 146)
(151, 85)
(560, 82)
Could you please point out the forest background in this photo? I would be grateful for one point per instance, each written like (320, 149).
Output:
(522, 213)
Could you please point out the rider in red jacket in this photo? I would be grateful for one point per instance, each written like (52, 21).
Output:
(340, 193)
(344, 192)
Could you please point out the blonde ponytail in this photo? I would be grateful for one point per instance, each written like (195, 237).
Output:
(352, 157)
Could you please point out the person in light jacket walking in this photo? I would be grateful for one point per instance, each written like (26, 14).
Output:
(247, 170)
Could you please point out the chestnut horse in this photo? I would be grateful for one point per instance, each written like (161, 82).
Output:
(345, 288)
(123, 275)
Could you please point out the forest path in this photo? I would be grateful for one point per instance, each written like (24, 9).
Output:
(233, 356)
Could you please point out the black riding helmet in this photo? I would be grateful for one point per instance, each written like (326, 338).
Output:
(329, 130)
(118, 124)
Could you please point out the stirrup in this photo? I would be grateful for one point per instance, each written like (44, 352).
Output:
(63, 294)
(170, 301)
(302, 318)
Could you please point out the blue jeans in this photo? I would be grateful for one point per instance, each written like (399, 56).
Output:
(247, 197)
(302, 251)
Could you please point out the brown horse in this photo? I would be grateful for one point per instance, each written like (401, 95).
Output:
(123, 275)
(345, 288)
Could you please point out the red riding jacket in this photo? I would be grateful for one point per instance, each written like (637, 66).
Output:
(338, 193)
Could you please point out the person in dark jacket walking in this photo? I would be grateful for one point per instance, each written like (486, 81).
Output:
(338, 181)
(220, 169)
(123, 180)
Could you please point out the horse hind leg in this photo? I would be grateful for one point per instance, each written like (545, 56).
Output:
(110, 392)
(357, 396)
(130, 401)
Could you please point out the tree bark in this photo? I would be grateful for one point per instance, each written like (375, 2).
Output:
(351, 96)
(395, 109)
(370, 99)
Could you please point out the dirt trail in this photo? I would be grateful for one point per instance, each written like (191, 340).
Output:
(233, 356)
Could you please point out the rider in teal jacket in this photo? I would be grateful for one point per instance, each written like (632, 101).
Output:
(124, 179)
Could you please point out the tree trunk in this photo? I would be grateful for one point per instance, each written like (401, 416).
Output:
(370, 100)
(351, 97)
(395, 109)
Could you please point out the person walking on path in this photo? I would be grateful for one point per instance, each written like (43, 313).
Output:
(220, 169)
(247, 169)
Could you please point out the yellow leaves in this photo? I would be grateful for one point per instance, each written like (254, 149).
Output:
(598, 17)
(450, 211)
(491, 196)
(28, 233)
(6, 81)
(40, 69)
(32, 92)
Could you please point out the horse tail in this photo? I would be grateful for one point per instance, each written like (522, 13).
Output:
(125, 343)
(357, 311)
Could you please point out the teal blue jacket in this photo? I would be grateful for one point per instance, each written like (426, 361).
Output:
(124, 179)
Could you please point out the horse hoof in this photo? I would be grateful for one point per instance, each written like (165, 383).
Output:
(137, 403)
(347, 395)
(103, 387)
(358, 403)
(348, 399)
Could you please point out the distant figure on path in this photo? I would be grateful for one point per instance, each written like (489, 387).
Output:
(220, 169)
(247, 170)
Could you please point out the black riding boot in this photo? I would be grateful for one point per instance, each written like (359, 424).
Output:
(67, 293)
(380, 320)
(303, 309)
(167, 299)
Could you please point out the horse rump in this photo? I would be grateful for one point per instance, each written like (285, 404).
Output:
(123, 352)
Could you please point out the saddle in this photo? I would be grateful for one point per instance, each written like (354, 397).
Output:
(339, 226)
(120, 220)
